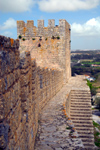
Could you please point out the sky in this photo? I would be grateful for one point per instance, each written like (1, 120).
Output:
(82, 15)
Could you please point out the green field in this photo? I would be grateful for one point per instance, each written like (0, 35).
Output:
(90, 62)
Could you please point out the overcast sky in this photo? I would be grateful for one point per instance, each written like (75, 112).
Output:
(82, 15)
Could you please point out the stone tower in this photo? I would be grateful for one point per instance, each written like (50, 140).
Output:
(52, 39)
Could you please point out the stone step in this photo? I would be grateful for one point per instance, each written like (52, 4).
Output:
(83, 130)
(86, 111)
(82, 121)
(80, 91)
(81, 115)
(80, 131)
(88, 146)
(80, 97)
(91, 147)
(81, 118)
(80, 94)
(83, 126)
(80, 102)
(80, 106)
(81, 110)
(85, 140)
(75, 113)
(84, 135)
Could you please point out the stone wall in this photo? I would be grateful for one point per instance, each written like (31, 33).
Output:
(52, 40)
(25, 88)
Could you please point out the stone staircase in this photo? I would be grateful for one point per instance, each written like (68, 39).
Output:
(81, 116)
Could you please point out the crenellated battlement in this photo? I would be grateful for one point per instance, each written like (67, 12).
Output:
(28, 30)
(40, 23)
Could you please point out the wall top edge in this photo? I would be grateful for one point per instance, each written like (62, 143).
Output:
(8, 42)
(51, 23)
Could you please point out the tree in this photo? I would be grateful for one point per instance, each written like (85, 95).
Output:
(97, 102)
(93, 91)
(92, 88)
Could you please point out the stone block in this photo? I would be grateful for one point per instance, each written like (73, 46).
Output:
(24, 79)
(30, 23)
(51, 23)
(4, 129)
(23, 61)
(10, 79)
(16, 74)
(2, 112)
(24, 93)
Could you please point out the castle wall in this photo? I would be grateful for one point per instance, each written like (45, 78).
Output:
(25, 88)
(59, 49)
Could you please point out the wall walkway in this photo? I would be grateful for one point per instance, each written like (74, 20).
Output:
(56, 129)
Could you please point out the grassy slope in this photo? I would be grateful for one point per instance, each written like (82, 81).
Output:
(97, 82)
(96, 134)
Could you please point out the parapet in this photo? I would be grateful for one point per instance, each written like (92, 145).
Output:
(8, 42)
(20, 24)
(51, 23)
(29, 30)
(30, 23)
(40, 23)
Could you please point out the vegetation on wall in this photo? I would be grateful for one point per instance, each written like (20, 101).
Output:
(23, 39)
(97, 102)
(53, 37)
(19, 36)
(45, 39)
(92, 88)
(33, 38)
(58, 37)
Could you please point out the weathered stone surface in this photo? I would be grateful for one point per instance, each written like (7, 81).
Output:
(3, 135)
(24, 90)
